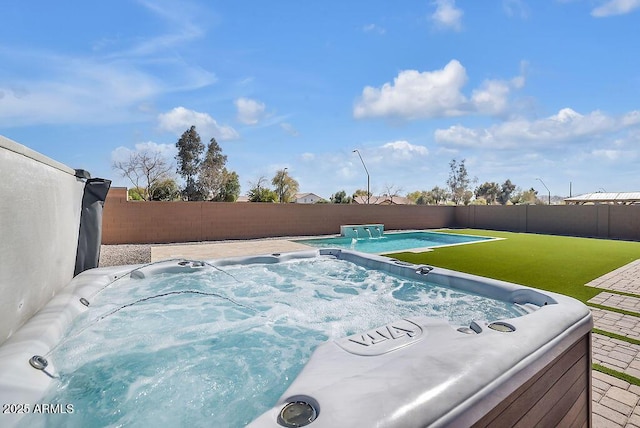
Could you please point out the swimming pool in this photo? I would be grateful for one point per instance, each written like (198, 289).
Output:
(346, 338)
(394, 242)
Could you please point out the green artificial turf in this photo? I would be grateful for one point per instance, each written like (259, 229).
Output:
(623, 376)
(555, 263)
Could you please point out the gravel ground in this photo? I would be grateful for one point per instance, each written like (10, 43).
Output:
(116, 255)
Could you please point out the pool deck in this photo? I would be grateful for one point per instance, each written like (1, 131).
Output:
(616, 403)
(216, 250)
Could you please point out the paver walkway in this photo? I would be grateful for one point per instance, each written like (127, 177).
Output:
(614, 322)
(613, 300)
(616, 403)
(625, 279)
(616, 354)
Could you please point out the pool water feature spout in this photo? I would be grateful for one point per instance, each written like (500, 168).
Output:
(355, 230)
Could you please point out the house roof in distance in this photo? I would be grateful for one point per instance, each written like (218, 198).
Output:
(623, 198)
(302, 195)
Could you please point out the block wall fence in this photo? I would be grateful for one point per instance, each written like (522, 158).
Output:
(131, 222)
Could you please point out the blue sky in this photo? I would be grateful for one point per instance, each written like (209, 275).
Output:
(520, 89)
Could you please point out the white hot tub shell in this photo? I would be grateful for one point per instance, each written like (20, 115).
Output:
(412, 372)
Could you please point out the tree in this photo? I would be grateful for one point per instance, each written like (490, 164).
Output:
(166, 190)
(144, 169)
(467, 196)
(505, 192)
(489, 191)
(458, 180)
(230, 187)
(528, 197)
(135, 194)
(425, 198)
(190, 149)
(391, 192)
(285, 185)
(415, 195)
(259, 193)
(361, 192)
(420, 197)
(262, 195)
(206, 179)
(340, 198)
(438, 194)
(428, 197)
(210, 175)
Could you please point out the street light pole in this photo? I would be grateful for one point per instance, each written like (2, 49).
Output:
(365, 169)
(545, 186)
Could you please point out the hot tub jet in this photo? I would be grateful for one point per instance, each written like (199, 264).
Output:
(39, 362)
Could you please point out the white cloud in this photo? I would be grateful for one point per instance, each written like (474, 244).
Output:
(403, 150)
(631, 118)
(438, 93)
(250, 112)
(289, 129)
(615, 7)
(492, 97)
(447, 15)
(373, 28)
(107, 85)
(168, 151)
(608, 154)
(515, 8)
(414, 94)
(180, 119)
(73, 90)
(181, 28)
(564, 127)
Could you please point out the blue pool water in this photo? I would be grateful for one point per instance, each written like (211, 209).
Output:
(392, 242)
(217, 347)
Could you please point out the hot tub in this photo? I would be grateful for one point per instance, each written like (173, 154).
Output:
(387, 365)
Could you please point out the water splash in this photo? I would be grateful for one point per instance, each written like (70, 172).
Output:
(210, 341)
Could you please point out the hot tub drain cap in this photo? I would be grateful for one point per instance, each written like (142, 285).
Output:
(297, 414)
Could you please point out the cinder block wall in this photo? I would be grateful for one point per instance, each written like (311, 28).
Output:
(601, 221)
(129, 222)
